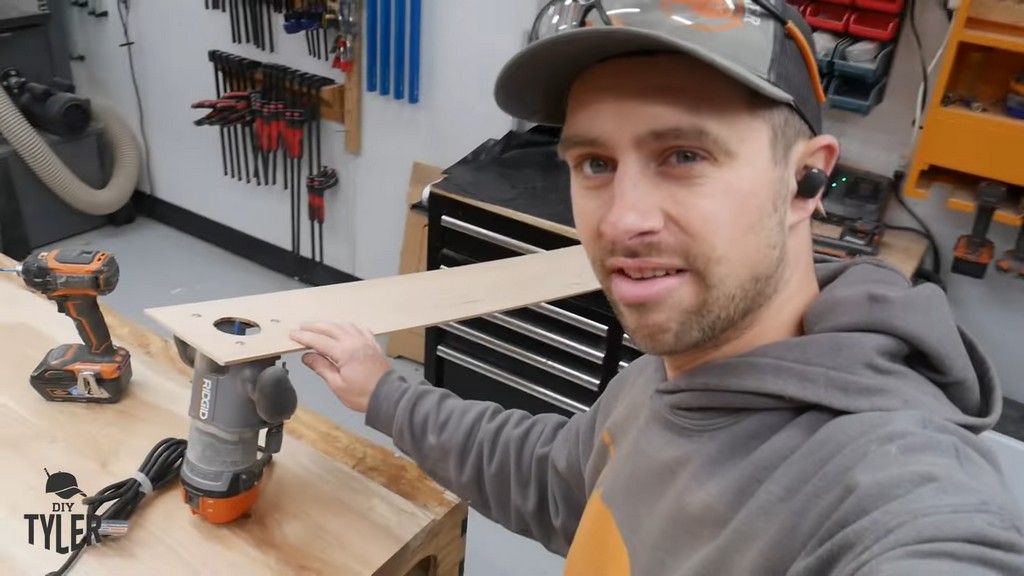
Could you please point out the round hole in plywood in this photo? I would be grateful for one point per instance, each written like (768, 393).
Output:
(237, 326)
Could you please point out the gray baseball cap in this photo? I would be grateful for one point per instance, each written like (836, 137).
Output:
(744, 39)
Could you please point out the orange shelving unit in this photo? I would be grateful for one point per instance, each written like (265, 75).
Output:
(967, 133)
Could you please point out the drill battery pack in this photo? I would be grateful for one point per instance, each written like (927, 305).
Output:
(971, 256)
(974, 252)
(69, 373)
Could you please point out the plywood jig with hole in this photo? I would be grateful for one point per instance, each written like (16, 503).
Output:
(382, 305)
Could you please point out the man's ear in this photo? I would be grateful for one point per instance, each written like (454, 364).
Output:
(820, 153)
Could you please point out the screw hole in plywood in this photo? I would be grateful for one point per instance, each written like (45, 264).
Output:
(237, 326)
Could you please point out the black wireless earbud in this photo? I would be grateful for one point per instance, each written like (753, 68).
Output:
(813, 180)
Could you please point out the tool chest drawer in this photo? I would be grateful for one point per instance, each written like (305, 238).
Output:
(550, 357)
(479, 235)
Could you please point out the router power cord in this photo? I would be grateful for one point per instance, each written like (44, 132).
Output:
(161, 466)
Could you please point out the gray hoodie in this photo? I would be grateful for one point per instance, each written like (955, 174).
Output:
(848, 451)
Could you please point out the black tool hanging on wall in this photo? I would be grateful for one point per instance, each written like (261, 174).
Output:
(270, 114)
(315, 19)
(252, 21)
(316, 185)
(95, 8)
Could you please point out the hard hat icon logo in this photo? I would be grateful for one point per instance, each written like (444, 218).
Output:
(63, 484)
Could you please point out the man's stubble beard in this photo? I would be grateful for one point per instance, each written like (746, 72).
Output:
(726, 306)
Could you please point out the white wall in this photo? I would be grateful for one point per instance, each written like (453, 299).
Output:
(365, 217)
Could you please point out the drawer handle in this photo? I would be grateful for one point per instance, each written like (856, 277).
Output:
(544, 308)
(570, 318)
(488, 236)
(578, 321)
(585, 352)
(530, 358)
(510, 379)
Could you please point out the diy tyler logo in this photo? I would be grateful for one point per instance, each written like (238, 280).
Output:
(66, 526)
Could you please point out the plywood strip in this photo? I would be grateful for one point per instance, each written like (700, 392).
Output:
(383, 305)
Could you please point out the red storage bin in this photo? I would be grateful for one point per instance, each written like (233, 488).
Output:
(886, 6)
(874, 25)
(800, 5)
(840, 2)
(831, 17)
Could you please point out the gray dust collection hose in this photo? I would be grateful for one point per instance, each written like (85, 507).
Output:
(34, 151)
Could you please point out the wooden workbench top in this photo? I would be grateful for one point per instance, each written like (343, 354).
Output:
(331, 503)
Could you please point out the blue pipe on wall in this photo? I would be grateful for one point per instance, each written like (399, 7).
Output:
(385, 47)
(399, 49)
(414, 51)
(371, 45)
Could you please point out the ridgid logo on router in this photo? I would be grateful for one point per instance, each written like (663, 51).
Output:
(67, 525)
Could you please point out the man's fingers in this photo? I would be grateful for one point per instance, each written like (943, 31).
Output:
(330, 329)
(336, 330)
(323, 368)
(370, 337)
(316, 341)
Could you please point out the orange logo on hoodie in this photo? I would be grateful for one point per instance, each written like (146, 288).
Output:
(597, 548)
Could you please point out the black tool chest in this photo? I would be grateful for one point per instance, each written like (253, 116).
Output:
(552, 357)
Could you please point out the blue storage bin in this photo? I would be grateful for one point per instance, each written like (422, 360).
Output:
(867, 71)
(825, 63)
(854, 94)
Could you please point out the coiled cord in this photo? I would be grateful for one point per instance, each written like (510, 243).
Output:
(161, 466)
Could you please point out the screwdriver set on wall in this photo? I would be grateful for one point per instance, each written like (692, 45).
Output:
(392, 35)
(269, 116)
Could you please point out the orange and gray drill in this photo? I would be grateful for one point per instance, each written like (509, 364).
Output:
(94, 370)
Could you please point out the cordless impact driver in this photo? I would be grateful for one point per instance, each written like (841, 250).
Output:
(95, 370)
(224, 463)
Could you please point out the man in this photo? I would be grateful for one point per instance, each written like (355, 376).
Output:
(788, 418)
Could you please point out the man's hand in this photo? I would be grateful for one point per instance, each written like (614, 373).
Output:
(347, 357)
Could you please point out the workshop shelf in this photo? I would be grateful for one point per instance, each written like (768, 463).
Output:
(986, 143)
(964, 200)
(965, 130)
(993, 35)
(960, 192)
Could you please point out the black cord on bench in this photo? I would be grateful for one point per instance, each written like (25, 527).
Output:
(160, 467)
